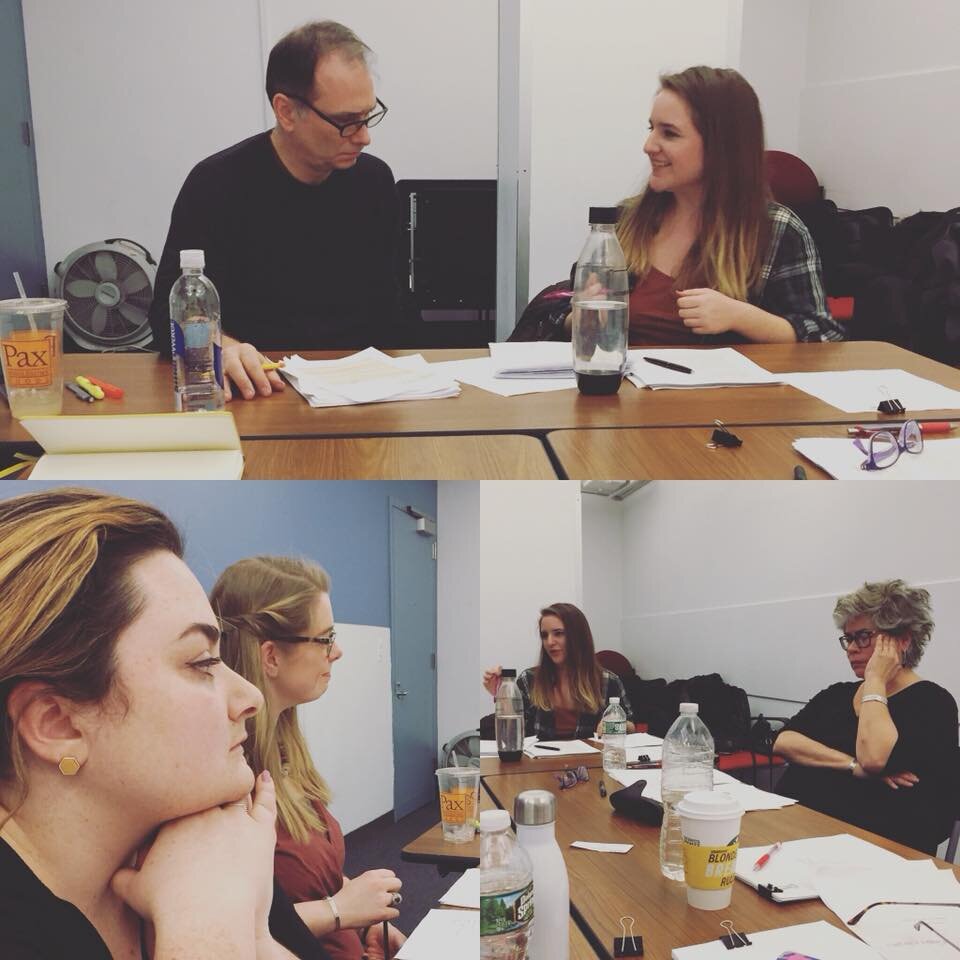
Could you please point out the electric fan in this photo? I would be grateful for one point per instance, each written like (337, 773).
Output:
(108, 287)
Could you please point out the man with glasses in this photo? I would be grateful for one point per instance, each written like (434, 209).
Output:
(298, 224)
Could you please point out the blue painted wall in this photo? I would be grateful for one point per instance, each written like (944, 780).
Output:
(342, 525)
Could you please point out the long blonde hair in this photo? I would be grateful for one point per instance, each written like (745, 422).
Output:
(583, 669)
(264, 598)
(65, 561)
(735, 225)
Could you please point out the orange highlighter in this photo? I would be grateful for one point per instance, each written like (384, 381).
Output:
(109, 390)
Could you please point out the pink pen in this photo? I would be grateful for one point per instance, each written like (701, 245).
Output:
(762, 860)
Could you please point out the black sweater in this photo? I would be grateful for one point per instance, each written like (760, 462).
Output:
(297, 266)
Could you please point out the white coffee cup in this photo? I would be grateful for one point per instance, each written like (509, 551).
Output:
(710, 825)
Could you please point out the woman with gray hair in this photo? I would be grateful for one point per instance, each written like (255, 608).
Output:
(880, 752)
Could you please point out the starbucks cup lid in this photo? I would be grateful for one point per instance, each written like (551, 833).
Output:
(491, 820)
(709, 805)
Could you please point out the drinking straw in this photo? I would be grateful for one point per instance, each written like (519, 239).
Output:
(23, 296)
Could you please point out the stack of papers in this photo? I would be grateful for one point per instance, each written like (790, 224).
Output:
(366, 377)
(481, 372)
(860, 391)
(750, 797)
(907, 909)
(939, 460)
(799, 942)
(465, 892)
(555, 748)
(641, 743)
(438, 931)
(537, 359)
(488, 748)
(793, 869)
(716, 367)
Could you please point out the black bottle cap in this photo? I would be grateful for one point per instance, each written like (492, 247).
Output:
(604, 214)
(508, 672)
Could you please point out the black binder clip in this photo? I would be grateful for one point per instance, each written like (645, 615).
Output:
(767, 890)
(643, 758)
(628, 945)
(731, 939)
(890, 405)
(722, 437)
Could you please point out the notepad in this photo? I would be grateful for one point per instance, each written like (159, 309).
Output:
(820, 940)
(556, 748)
(717, 367)
(149, 446)
(791, 871)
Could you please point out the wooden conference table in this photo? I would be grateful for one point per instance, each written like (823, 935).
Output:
(605, 887)
(479, 434)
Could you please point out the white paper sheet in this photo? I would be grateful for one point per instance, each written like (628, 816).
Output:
(564, 748)
(602, 847)
(465, 892)
(820, 940)
(540, 358)
(939, 460)
(749, 796)
(442, 934)
(479, 372)
(860, 391)
(718, 367)
(369, 376)
(488, 748)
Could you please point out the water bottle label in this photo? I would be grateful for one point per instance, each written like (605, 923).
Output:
(506, 912)
(458, 806)
(614, 727)
(710, 866)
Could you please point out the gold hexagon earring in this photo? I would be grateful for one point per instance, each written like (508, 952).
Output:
(69, 766)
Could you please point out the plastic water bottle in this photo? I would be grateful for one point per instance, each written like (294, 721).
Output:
(506, 890)
(195, 337)
(613, 728)
(601, 302)
(509, 717)
(687, 765)
(535, 814)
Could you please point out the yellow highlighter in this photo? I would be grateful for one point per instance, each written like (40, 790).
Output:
(91, 388)
(271, 364)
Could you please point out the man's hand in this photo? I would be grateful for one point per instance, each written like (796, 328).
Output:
(707, 311)
(243, 364)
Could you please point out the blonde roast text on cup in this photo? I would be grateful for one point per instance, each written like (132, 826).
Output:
(710, 824)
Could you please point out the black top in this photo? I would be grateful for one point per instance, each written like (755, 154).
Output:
(297, 266)
(920, 816)
(36, 925)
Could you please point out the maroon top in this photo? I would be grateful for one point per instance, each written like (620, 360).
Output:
(565, 721)
(314, 870)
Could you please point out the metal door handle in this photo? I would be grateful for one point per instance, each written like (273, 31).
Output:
(400, 693)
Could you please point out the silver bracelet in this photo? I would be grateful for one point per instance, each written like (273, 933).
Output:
(335, 911)
(868, 697)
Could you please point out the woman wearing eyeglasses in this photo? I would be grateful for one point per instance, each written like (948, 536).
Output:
(880, 752)
(278, 633)
(564, 696)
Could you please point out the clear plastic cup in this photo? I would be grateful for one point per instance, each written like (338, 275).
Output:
(459, 802)
(710, 824)
(31, 355)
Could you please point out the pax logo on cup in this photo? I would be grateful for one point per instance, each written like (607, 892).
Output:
(28, 360)
(710, 824)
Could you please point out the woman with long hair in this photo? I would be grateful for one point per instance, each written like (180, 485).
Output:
(127, 829)
(712, 259)
(279, 634)
(565, 695)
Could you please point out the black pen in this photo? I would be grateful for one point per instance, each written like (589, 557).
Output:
(667, 365)
(799, 473)
(539, 746)
(603, 789)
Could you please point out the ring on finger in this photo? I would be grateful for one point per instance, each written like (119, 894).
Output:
(396, 899)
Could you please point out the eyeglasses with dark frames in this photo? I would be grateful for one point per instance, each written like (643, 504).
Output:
(233, 624)
(885, 447)
(570, 778)
(326, 640)
(352, 126)
(862, 639)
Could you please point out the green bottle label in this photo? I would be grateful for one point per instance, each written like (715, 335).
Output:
(506, 912)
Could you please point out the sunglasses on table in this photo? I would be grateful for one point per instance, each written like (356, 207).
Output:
(570, 778)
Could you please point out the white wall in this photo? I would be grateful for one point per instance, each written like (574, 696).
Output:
(593, 73)
(505, 549)
(360, 700)
(128, 97)
(603, 569)
(741, 578)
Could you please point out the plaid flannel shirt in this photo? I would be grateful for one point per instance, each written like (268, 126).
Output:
(790, 285)
(540, 723)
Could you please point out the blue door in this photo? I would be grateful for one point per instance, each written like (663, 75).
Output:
(21, 236)
(413, 655)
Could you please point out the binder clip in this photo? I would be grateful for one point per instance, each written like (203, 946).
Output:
(890, 405)
(731, 939)
(722, 437)
(767, 890)
(628, 945)
(643, 758)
